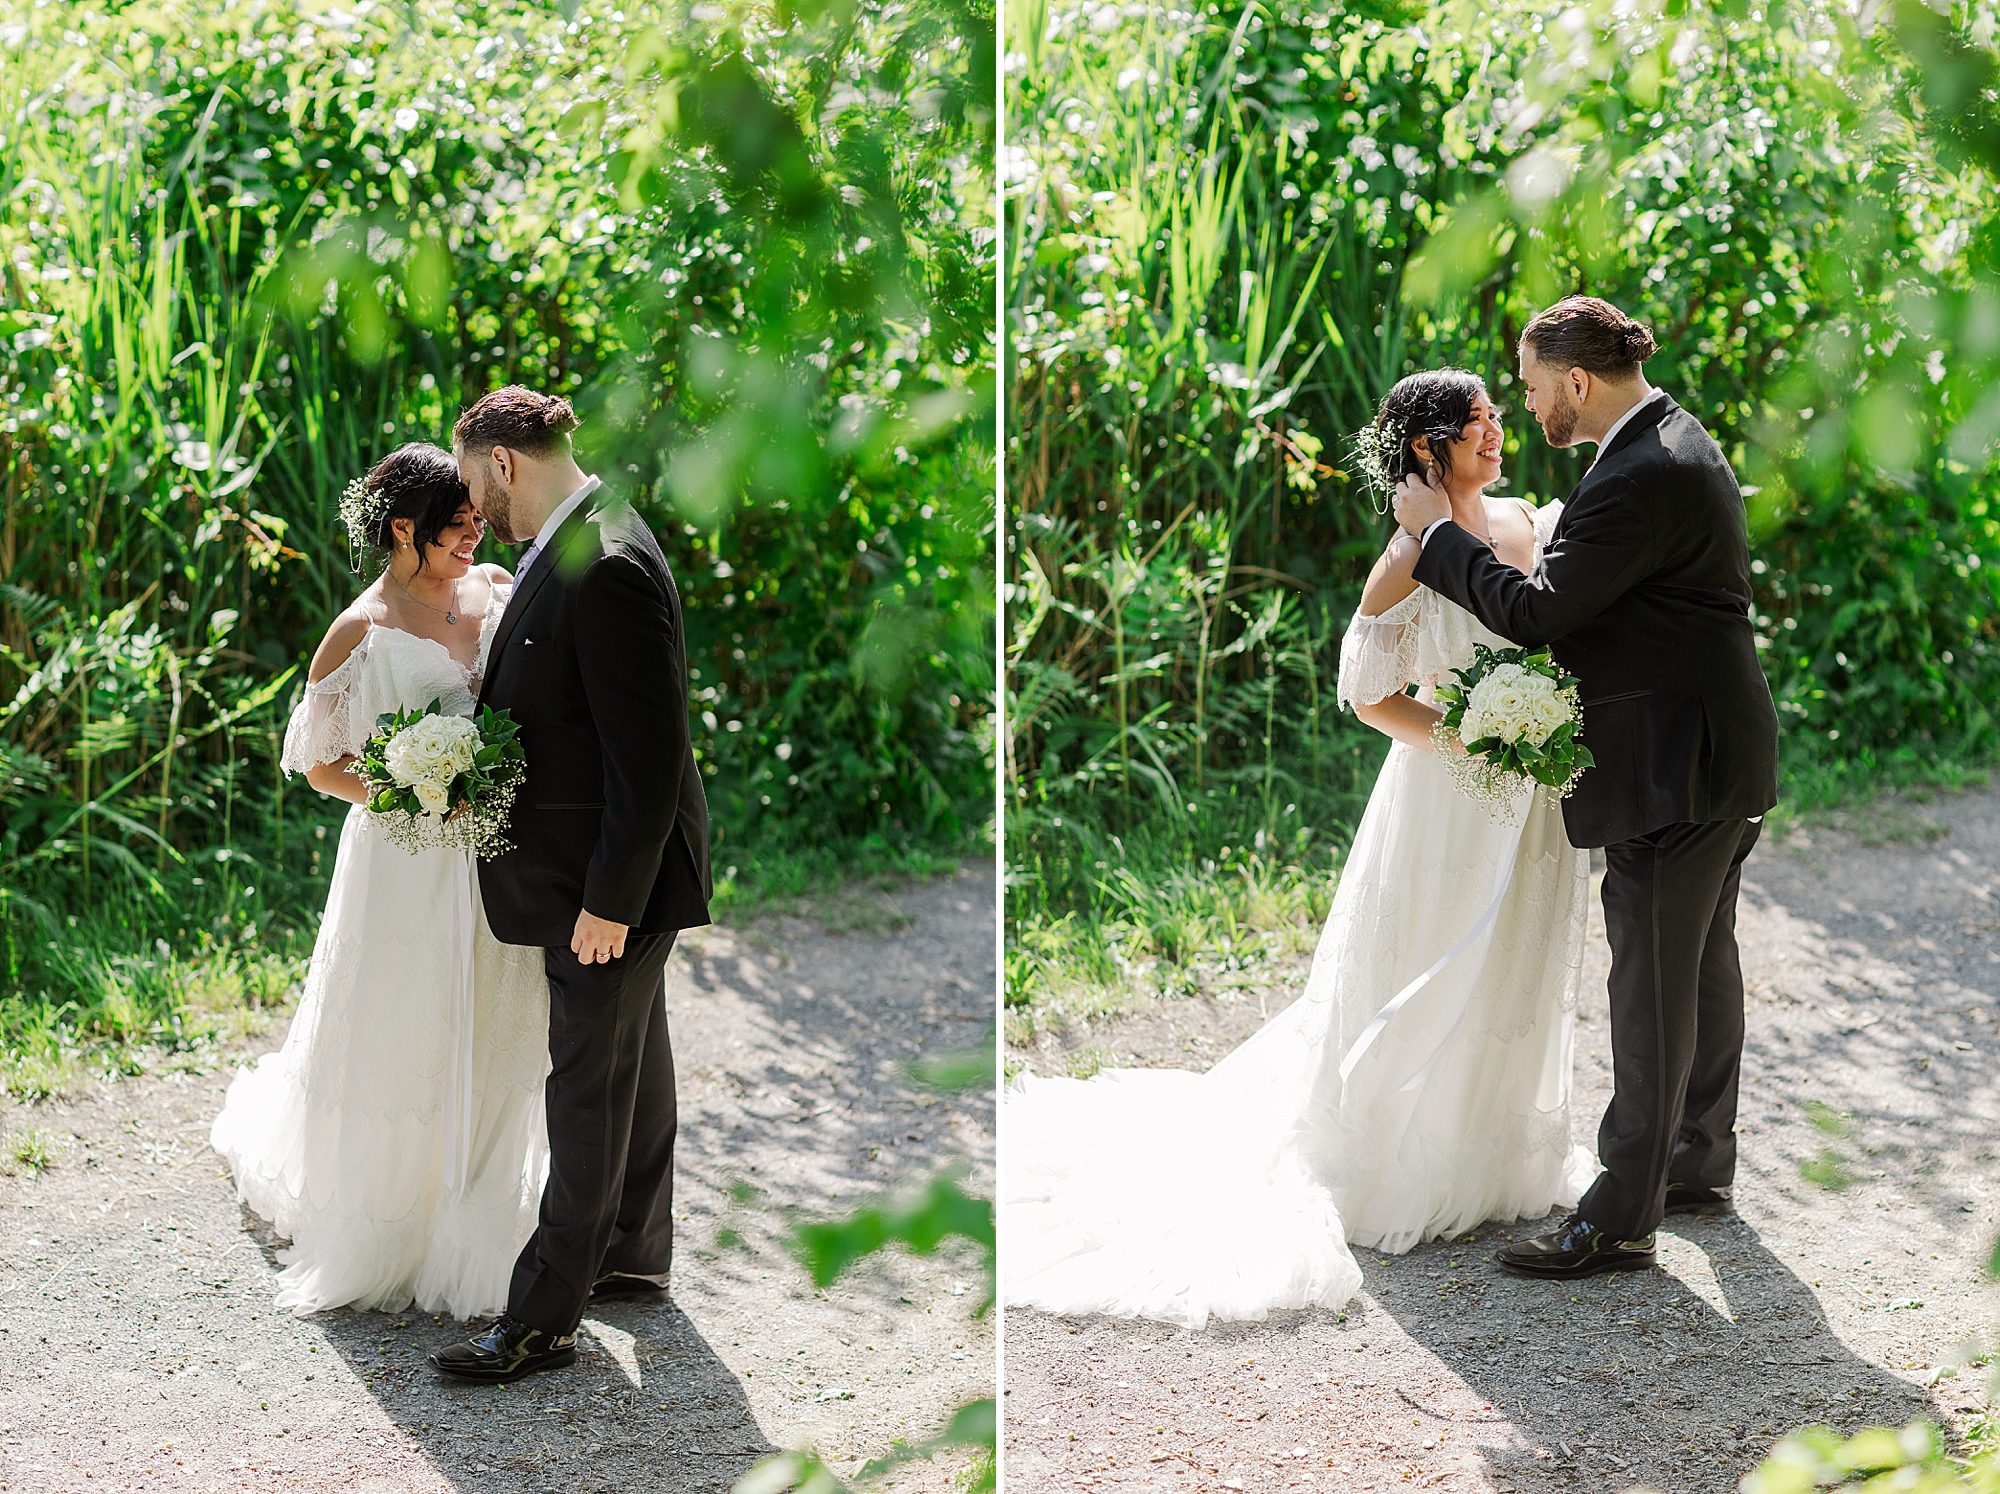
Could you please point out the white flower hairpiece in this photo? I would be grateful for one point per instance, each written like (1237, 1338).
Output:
(1375, 447)
(361, 508)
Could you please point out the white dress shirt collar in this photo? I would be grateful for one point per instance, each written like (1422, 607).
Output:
(1616, 426)
(567, 507)
(1620, 423)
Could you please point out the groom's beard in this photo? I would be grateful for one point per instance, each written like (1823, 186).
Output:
(1559, 427)
(496, 510)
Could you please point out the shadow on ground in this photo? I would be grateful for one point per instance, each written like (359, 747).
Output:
(1850, 1292)
(1642, 1377)
(145, 1353)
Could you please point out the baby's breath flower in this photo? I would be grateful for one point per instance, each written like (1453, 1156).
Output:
(361, 508)
(1376, 448)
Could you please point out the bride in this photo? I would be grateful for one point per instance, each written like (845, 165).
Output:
(1164, 1194)
(398, 1136)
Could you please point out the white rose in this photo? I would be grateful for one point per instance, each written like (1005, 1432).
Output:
(435, 797)
(432, 747)
(1550, 714)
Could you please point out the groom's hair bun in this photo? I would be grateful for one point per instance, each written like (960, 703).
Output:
(517, 418)
(1595, 336)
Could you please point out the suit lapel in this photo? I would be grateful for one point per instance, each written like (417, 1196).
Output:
(1637, 426)
(529, 589)
(1644, 421)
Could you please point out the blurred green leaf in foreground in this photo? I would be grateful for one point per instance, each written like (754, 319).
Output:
(941, 1210)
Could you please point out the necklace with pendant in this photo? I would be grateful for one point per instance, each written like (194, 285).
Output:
(450, 613)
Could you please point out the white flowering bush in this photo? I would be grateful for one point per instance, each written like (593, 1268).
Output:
(442, 782)
(1511, 722)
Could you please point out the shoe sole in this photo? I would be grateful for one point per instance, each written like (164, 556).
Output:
(660, 1295)
(506, 1377)
(1576, 1273)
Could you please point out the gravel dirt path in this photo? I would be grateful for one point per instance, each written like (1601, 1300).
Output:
(139, 1349)
(1874, 989)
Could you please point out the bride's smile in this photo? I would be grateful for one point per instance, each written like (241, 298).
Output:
(1473, 456)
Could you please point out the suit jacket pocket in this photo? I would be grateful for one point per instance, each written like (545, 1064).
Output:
(1614, 699)
(598, 805)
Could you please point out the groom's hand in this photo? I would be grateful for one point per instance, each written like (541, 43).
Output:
(597, 940)
(1420, 503)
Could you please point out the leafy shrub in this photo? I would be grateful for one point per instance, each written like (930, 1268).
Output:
(1217, 273)
(250, 248)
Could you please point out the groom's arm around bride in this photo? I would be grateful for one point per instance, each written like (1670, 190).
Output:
(1644, 595)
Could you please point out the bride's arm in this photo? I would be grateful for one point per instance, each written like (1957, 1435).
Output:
(333, 778)
(1393, 578)
(1403, 717)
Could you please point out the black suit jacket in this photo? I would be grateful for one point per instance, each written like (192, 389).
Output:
(1643, 593)
(591, 659)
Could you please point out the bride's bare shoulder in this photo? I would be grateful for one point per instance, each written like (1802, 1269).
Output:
(1393, 578)
(345, 635)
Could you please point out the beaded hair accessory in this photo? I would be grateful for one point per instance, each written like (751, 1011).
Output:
(361, 509)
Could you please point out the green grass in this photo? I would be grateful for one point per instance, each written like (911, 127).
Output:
(832, 880)
(139, 981)
(1102, 920)
(31, 1147)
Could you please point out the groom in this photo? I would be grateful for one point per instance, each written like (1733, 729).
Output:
(610, 861)
(1644, 595)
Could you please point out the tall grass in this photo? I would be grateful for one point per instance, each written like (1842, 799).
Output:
(247, 249)
(1232, 230)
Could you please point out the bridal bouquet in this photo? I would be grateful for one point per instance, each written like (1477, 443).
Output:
(443, 782)
(1515, 713)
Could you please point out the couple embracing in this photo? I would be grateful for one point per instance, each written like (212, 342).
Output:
(474, 1108)
(1421, 1085)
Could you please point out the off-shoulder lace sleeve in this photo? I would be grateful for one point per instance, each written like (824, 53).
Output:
(321, 729)
(1378, 655)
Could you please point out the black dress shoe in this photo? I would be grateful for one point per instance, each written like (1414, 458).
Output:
(1685, 1198)
(616, 1286)
(1576, 1248)
(506, 1350)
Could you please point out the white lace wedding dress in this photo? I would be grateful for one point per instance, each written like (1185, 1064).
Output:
(1164, 1194)
(398, 1137)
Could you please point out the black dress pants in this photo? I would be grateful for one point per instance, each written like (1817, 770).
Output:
(609, 1201)
(1676, 1020)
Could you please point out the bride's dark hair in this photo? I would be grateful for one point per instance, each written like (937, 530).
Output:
(1435, 404)
(419, 482)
